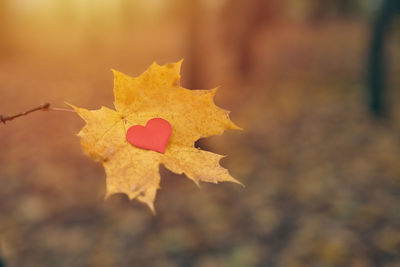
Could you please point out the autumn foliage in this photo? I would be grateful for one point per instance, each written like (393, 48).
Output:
(155, 93)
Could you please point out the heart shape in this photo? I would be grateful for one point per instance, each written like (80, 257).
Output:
(154, 136)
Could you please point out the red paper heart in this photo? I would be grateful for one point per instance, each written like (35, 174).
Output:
(154, 136)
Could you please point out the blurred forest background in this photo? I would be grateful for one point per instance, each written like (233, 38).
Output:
(315, 85)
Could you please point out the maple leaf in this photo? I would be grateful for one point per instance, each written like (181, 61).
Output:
(192, 114)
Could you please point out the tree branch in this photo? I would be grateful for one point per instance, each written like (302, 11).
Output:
(43, 107)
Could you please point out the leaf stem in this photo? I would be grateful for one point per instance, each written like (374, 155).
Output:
(61, 109)
(43, 107)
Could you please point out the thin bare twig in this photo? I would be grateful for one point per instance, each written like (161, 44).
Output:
(43, 107)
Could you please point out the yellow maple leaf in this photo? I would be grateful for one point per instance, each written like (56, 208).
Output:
(156, 93)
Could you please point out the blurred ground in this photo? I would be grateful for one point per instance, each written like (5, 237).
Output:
(321, 174)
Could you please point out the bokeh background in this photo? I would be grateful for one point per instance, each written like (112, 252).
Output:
(315, 85)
